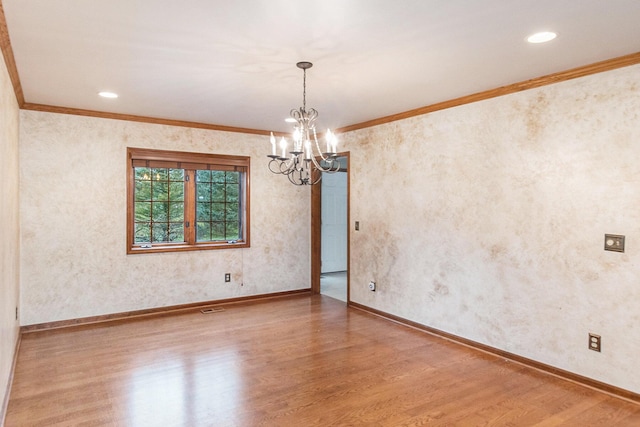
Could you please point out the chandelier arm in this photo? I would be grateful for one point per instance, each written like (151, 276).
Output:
(292, 180)
(297, 180)
(330, 158)
(333, 165)
(317, 164)
(296, 114)
(312, 114)
(288, 166)
(271, 169)
(280, 166)
(318, 179)
(322, 155)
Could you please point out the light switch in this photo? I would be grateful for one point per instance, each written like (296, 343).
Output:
(614, 242)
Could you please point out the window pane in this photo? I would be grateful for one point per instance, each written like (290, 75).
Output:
(142, 233)
(203, 176)
(203, 232)
(160, 212)
(176, 232)
(153, 188)
(233, 177)
(143, 174)
(232, 212)
(159, 174)
(159, 191)
(143, 211)
(233, 231)
(176, 191)
(204, 212)
(233, 192)
(217, 231)
(218, 176)
(217, 193)
(203, 192)
(160, 232)
(217, 212)
(217, 206)
(176, 174)
(143, 190)
(176, 212)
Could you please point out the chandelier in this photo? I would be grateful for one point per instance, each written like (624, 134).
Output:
(305, 156)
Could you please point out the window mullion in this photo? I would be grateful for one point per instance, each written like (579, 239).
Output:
(190, 207)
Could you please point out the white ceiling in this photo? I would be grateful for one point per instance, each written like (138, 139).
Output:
(232, 63)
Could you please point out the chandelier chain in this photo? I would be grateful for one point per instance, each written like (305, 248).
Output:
(304, 89)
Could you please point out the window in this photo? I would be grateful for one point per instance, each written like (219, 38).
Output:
(180, 201)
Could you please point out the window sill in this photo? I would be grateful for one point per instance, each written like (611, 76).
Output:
(182, 248)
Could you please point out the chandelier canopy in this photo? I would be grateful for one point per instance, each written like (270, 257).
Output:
(305, 156)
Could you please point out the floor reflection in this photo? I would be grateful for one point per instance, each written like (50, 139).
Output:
(334, 285)
(180, 391)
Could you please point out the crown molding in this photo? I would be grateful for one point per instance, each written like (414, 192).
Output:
(574, 73)
(133, 118)
(9, 59)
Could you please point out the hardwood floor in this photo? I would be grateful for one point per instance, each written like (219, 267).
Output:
(298, 361)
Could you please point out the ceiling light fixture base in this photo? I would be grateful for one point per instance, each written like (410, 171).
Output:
(304, 65)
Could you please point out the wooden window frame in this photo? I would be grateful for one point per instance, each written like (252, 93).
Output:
(190, 162)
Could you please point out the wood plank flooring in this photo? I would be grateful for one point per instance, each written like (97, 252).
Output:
(298, 361)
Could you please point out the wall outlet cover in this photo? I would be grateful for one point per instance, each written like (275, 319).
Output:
(595, 342)
(614, 242)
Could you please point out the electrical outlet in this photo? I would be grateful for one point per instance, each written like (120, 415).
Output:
(227, 277)
(595, 342)
(372, 286)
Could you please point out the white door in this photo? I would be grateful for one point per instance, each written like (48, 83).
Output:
(334, 222)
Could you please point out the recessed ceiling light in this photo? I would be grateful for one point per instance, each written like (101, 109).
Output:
(290, 120)
(108, 94)
(541, 37)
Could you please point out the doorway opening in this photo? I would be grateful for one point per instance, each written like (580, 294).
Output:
(330, 233)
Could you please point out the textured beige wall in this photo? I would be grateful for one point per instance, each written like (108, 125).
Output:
(73, 213)
(487, 221)
(9, 226)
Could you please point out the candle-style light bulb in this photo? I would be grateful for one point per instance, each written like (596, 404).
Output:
(307, 146)
(333, 141)
(329, 138)
(297, 138)
(283, 146)
(272, 139)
